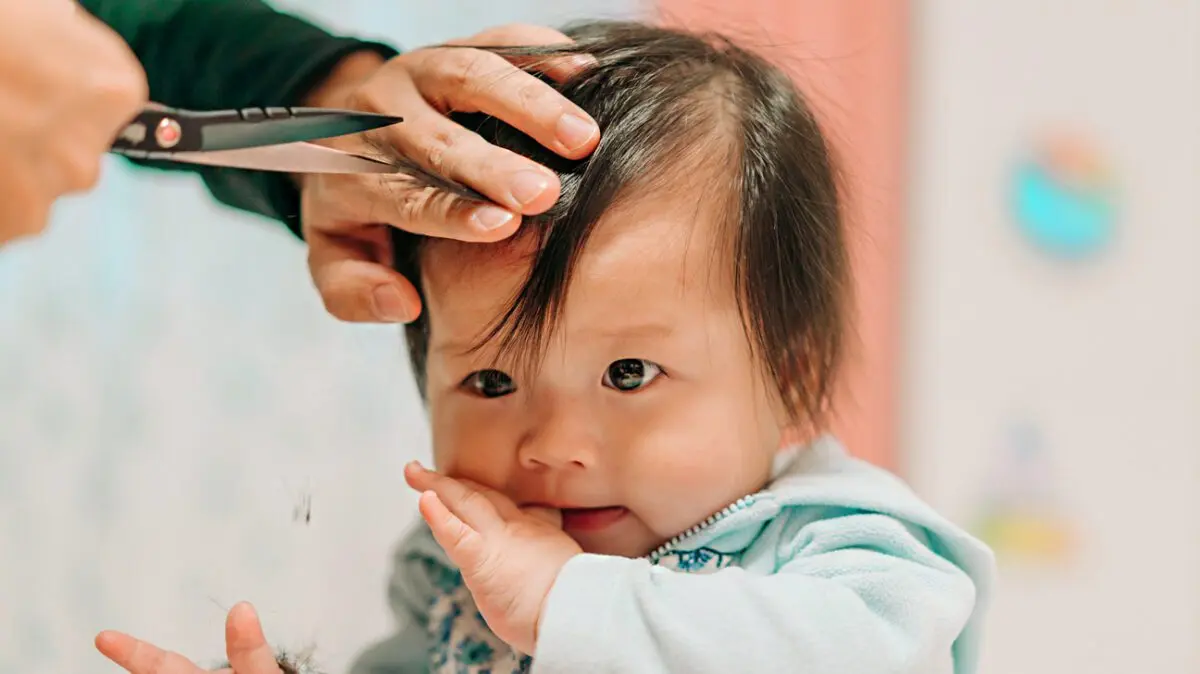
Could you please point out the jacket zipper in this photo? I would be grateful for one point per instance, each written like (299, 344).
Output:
(737, 506)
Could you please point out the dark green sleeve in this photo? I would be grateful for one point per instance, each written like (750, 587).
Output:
(216, 54)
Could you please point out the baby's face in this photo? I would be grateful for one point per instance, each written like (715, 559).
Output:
(648, 413)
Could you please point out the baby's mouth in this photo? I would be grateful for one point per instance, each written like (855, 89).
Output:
(592, 519)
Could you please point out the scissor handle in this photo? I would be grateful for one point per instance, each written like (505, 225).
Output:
(159, 128)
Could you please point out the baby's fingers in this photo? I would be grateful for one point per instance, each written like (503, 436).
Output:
(469, 505)
(463, 544)
(140, 657)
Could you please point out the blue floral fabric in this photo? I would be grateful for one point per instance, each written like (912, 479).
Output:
(463, 644)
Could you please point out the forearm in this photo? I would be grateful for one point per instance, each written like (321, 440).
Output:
(215, 54)
(838, 612)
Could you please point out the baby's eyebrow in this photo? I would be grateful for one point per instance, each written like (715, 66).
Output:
(455, 347)
(451, 347)
(631, 331)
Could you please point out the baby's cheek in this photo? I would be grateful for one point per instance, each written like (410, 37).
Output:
(687, 471)
(703, 449)
(463, 443)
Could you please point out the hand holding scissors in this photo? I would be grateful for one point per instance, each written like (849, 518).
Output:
(67, 83)
(74, 106)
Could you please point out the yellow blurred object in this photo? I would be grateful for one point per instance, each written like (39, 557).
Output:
(1027, 537)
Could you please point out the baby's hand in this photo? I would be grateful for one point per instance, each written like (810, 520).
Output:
(245, 646)
(509, 557)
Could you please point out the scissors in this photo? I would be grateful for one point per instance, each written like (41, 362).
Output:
(260, 139)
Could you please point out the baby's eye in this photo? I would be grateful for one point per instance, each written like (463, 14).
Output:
(631, 374)
(489, 383)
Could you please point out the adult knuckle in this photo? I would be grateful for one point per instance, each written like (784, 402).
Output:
(533, 96)
(443, 145)
(410, 206)
(406, 204)
(460, 66)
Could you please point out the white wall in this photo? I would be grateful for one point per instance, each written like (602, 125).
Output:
(1103, 354)
(170, 388)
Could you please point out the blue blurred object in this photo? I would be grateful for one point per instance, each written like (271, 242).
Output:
(1066, 217)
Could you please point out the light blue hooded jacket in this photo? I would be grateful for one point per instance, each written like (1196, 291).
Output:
(835, 568)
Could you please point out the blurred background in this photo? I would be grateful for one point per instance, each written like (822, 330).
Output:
(182, 426)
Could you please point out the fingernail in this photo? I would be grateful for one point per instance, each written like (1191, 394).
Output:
(528, 185)
(389, 305)
(574, 131)
(488, 218)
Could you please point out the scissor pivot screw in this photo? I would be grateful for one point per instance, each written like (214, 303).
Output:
(169, 133)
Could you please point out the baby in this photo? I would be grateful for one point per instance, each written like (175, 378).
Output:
(614, 396)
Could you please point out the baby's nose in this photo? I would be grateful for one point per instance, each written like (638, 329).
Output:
(560, 441)
(540, 456)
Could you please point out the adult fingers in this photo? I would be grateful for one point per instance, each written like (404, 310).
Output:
(245, 645)
(355, 286)
(142, 657)
(558, 68)
(476, 80)
(442, 146)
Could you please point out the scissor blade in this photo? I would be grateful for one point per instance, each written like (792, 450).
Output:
(288, 158)
(304, 126)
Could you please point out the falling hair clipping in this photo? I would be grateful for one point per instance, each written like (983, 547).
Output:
(288, 664)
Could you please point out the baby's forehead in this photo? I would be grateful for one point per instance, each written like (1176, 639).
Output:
(658, 249)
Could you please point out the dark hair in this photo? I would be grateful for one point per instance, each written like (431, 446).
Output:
(659, 95)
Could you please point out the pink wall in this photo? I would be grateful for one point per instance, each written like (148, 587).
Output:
(851, 58)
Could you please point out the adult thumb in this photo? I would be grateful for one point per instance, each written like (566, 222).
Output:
(355, 287)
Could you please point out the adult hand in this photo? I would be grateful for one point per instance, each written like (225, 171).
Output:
(245, 646)
(68, 84)
(346, 218)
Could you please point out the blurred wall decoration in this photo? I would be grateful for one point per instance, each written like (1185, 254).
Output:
(1021, 515)
(1064, 196)
(1091, 341)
